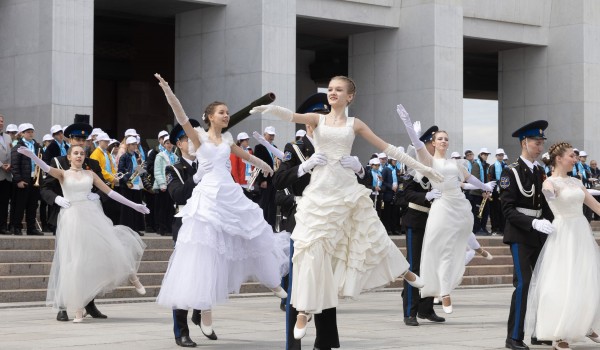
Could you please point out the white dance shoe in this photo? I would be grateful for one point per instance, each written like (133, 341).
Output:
(299, 333)
(280, 292)
(417, 282)
(560, 345)
(78, 316)
(139, 288)
(595, 339)
(447, 309)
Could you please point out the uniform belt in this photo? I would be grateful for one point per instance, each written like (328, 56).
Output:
(417, 207)
(530, 212)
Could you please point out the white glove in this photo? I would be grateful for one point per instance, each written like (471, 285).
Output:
(163, 187)
(274, 150)
(543, 226)
(264, 167)
(204, 167)
(27, 153)
(279, 112)
(412, 163)
(141, 208)
(314, 160)
(62, 202)
(417, 127)
(92, 196)
(410, 129)
(489, 186)
(433, 194)
(350, 162)
(173, 101)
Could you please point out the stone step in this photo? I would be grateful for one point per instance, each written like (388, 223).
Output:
(43, 268)
(37, 256)
(47, 242)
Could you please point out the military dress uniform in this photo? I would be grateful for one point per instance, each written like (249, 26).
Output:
(522, 202)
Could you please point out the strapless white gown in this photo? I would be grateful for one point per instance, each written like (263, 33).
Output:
(340, 246)
(92, 257)
(564, 293)
(224, 240)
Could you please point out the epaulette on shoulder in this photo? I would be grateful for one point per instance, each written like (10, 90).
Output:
(513, 165)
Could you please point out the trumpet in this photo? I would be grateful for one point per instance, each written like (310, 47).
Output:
(253, 178)
(136, 173)
(482, 205)
(37, 172)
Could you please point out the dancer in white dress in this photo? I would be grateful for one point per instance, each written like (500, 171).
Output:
(223, 240)
(340, 246)
(563, 303)
(450, 221)
(92, 257)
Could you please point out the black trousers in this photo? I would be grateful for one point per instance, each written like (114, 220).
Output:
(26, 202)
(163, 212)
(325, 322)
(412, 302)
(390, 216)
(150, 219)
(180, 325)
(130, 217)
(496, 214)
(267, 204)
(524, 259)
(6, 193)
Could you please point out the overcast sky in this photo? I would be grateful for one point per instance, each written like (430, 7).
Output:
(480, 125)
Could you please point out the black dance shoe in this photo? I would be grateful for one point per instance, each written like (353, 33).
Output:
(411, 321)
(315, 348)
(433, 317)
(62, 316)
(185, 342)
(515, 344)
(34, 232)
(536, 341)
(93, 311)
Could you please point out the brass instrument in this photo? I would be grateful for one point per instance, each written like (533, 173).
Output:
(37, 172)
(253, 178)
(135, 175)
(482, 205)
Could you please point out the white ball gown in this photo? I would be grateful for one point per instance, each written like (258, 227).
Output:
(223, 241)
(92, 257)
(563, 301)
(447, 232)
(340, 246)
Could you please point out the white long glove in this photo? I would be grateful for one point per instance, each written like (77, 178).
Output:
(264, 167)
(411, 163)
(410, 129)
(433, 194)
(353, 163)
(280, 112)
(317, 158)
(417, 127)
(141, 208)
(543, 226)
(173, 100)
(92, 196)
(274, 150)
(204, 167)
(28, 153)
(62, 202)
(485, 187)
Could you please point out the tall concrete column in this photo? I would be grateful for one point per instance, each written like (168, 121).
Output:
(558, 82)
(235, 54)
(419, 65)
(46, 61)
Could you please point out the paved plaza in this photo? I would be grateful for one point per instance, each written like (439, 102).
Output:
(372, 322)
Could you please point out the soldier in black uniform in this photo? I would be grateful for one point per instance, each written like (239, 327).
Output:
(419, 195)
(51, 193)
(527, 223)
(182, 178)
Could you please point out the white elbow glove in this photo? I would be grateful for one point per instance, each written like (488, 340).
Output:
(173, 100)
(410, 128)
(433, 194)
(141, 208)
(280, 112)
(412, 163)
(314, 160)
(264, 167)
(274, 150)
(27, 152)
(485, 187)
(62, 202)
(543, 226)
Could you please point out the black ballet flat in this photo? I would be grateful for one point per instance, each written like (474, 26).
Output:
(536, 341)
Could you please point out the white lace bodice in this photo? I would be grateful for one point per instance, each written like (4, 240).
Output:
(334, 142)
(77, 184)
(451, 170)
(569, 195)
(217, 154)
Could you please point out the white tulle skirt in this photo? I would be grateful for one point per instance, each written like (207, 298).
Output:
(223, 242)
(92, 257)
(564, 294)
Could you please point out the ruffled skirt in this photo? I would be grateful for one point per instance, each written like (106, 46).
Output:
(92, 257)
(223, 242)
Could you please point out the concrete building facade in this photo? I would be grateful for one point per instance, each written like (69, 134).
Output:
(539, 58)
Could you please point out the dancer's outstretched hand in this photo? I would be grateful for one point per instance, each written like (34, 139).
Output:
(141, 208)
(173, 101)
(25, 151)
(402, 113)
(417, 127)
(279, 112)
(489, 186)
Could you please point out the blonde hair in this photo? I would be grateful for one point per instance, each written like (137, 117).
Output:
(349, 82)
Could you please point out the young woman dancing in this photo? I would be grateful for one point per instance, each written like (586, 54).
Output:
(450, 222)
(92, 257)
(340, 246)
(563, 303)
(224, 240)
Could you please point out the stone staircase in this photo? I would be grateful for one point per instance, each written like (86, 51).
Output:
(25, 265)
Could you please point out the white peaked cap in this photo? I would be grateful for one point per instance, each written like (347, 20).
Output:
(55, 128)
(455, 155)
(25, 126)
(300, 133)
(242, 136)
(270, 130)
(131, 132)
(47, 137)
(500, 151)
(102, 137)
(130, 140)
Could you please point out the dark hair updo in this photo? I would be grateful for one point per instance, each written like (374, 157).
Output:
(210, 109)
